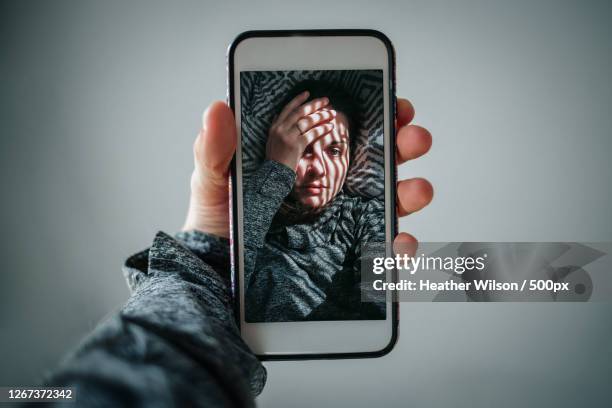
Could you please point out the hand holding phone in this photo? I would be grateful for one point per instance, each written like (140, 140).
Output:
(213, 151)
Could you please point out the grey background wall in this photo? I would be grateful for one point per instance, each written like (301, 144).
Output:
(100, 103)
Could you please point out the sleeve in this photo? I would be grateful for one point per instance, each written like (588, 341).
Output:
(264, 193)
(175, 342)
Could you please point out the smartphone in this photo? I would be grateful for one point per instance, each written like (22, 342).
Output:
(312, 185)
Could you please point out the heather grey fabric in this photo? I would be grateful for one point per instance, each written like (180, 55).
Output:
(309, 269)
(175, 342)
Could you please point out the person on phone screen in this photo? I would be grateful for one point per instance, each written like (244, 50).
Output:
(303, 233)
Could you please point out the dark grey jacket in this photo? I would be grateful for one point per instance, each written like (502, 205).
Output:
(308, 269)
(175, 342)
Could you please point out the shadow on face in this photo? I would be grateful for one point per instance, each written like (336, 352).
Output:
(323, 167)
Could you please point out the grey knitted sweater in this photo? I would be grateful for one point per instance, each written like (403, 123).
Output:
(175, 341)
(307, 269)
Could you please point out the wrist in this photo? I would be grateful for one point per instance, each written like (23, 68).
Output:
(284, 160)
(204, 220)
(208, 210)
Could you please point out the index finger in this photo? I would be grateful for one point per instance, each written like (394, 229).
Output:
(405, 112)
(306, 109)
(292, 105)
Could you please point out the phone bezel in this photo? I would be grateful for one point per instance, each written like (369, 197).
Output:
(233, 191)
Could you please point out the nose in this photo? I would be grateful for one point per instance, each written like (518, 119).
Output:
(316, 167)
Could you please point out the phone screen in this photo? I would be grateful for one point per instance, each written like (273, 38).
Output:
(304, 228)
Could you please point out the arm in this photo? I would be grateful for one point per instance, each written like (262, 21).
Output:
(175, 341)
(263, 195)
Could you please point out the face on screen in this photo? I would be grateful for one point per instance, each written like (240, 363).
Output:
(323, 167)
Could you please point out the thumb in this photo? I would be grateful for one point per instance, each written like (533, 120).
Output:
(215, 145)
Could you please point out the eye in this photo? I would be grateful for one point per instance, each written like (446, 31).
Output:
(335, 151)
(308, 150)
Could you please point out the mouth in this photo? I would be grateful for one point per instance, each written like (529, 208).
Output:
(312, 188)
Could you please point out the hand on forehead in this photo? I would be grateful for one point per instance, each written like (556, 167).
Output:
(339, 133)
